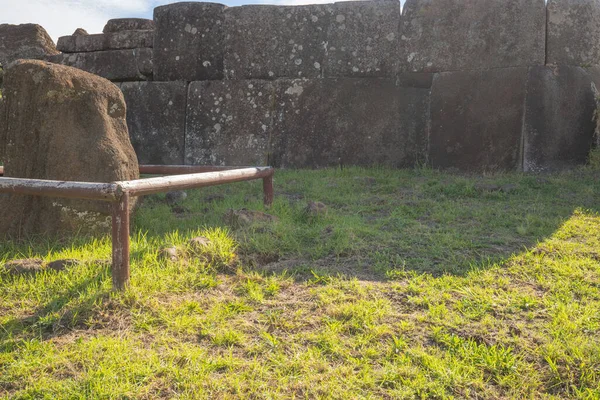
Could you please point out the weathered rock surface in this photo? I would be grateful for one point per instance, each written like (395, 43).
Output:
(349, 121)
(188, 41)
(448, 35)
(230, 123)
(268, 42)
(156, 120)
(80, 32)
(573, 31)
(115, 65)
(63, 124)
(362, 39)
(128, 24)
(106, 41)
(477, 118)
(24, 41)
(559, 126)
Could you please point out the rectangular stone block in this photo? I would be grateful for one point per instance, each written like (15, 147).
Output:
(362, 39)
(449, 35)
(115, 65)
(231, 123)
(156, 120)
(573, 32)
(477, 118)
(349, 121)
(106, 41)
(559, 125)
(188, 41)
(268, 42)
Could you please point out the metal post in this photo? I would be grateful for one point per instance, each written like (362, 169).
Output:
(268, 190)
(120, 243)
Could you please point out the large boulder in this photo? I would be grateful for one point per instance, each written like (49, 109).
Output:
(573, 31)
(188, 41)
(268, 42)
(115, 65)
(156, 120)
(128, 24)
(106, 41)
(362, 39)
(559, 118)
(24, 41)
(477, 119)
(450, 35)
(62, 124)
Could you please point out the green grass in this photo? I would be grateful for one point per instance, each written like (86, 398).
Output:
(414, 284)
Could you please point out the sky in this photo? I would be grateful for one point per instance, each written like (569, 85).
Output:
(62, 17)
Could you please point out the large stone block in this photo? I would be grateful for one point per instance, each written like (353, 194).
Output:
(106, 41)
(449, 35)
(362, 39)
(70, 128)
(115, 65)
(188, 41)
(156, 120)
(559, 126)
(573, 32)
(349, 121)
(24, 41)
(128, 24)
(268, 42)
(477, 118)
(231, 123)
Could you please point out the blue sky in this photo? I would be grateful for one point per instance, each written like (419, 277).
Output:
(62, 17)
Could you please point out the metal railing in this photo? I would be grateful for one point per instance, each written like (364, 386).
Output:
(178, 177)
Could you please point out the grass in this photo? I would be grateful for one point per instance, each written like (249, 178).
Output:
(413, 284)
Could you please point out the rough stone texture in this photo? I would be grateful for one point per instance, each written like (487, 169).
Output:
(80, 32)
(559, 126)
(128, 24)
(230, 123)
(2, 127)
(362, 39)
(188, 41)
(115, 65)
(63, 124)
(24, 41)
(156, 120)
(268, 42)
(106, 41)
(573, 31)
(448, 35)
(349, 121)
(476, 119)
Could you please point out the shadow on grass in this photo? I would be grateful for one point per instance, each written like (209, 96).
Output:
(379, 224)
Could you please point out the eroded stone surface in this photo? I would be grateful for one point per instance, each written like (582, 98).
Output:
(188, 41)
(106, 41)
(115, 65)
(448, 35)
(156, 120)
(349, 121)
(231, 123)
(362, 39)
(477, 118)
(573, 32)
(24, 41)
(559, 126)
(128, 24)
(71, 128)
(268, 42)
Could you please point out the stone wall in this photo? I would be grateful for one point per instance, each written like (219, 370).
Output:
(466, 84)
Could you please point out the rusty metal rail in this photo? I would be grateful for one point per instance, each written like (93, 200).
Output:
(119, 193)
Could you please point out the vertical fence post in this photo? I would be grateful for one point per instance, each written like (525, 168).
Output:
(268, 190)
(120, 242)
